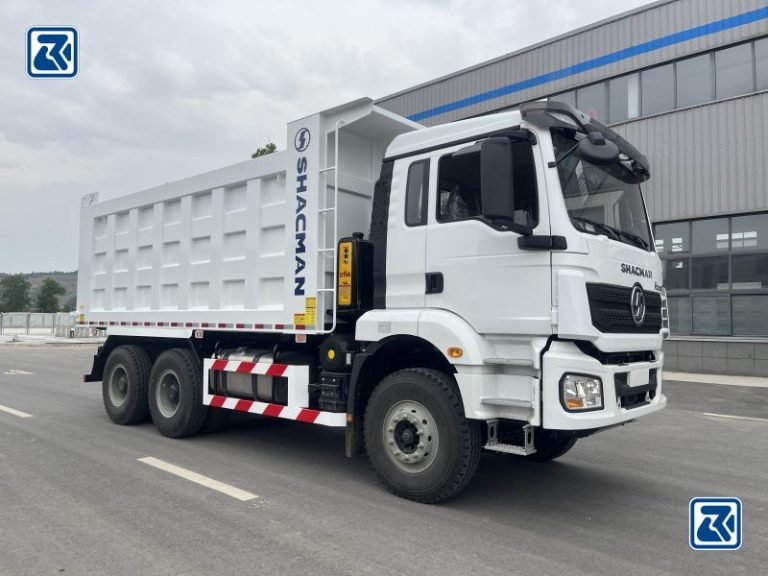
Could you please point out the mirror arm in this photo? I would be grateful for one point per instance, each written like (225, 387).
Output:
(565, 155)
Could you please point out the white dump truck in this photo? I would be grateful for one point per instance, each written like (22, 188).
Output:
(489, 284)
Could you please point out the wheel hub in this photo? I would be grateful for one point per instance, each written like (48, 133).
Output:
(410, 436)
(118, 386)
(168, 394)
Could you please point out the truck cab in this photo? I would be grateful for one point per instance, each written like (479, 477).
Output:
(521, 243)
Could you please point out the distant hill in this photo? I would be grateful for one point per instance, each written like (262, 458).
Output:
(66, 279)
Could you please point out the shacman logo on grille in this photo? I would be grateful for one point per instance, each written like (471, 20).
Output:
(52, 52)
(637, 304)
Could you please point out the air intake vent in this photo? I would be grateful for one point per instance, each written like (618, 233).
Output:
(611, 312)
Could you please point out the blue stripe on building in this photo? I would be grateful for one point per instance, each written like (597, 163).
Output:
(600, 61)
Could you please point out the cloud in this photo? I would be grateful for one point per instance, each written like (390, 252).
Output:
(170, 89)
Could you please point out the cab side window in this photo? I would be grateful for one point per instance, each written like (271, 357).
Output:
(417, 193)
(459, 185)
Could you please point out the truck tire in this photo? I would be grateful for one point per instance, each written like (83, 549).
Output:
(124, 388)
(417, 438)
(175, 394)
(550, 445)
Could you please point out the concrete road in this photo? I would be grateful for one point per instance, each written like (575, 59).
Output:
(74, 499)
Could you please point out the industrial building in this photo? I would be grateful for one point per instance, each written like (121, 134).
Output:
(686, 81)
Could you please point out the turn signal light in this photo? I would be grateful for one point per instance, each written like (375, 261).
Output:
(455, 352)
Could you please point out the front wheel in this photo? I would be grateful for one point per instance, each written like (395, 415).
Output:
(418, 440)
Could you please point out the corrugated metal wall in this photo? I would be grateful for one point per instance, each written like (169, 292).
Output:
(705, 161)
(653, 21)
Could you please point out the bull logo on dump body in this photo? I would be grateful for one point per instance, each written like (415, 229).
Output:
(301, 142)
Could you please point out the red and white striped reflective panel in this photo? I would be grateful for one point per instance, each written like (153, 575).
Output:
(297, 377)
(242, 367)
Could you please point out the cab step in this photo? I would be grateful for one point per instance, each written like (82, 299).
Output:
(525, 449)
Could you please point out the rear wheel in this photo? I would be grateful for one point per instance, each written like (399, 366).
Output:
(175, 394)
(550, 445)
(124, 388)
(417, 438)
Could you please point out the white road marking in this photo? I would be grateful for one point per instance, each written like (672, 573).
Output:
(236, 493)
(15, 412)
(732, 417)
(750, 381)
(18, 373)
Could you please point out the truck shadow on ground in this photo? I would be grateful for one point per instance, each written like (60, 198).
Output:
(503, 483)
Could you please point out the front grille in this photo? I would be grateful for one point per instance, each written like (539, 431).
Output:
(611, 312)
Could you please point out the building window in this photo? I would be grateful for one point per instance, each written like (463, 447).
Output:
(694, 80)
(709, 273)
(750, 315)
(417, 193)
(566, 97)
(673, 238)
(750, 232)
(750, 271)
(761, 63)
(658, 89)
(679, 314)
(710, 236)
(676, 274)
(624, 98)
(717, 283)
(733, 71)
(593, 100)
(715, 75)
(711, 315)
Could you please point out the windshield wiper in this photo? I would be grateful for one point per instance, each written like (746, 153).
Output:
(598, 227)
(611, 232)
(634, 238)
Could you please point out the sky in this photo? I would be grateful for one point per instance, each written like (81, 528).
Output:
(167, 88)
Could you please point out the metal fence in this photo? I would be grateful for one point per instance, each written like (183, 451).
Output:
(41, 323)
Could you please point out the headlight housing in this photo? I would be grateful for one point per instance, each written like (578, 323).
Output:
(581, 393)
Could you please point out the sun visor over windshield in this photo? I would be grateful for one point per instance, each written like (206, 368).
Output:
(553, 114)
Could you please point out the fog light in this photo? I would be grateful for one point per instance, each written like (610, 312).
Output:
(581, 393)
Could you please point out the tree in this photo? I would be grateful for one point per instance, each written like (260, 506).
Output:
(47, 297)
(15, 293)
(268, 149)
(70, 305)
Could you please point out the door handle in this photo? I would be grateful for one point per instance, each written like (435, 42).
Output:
(434, 282)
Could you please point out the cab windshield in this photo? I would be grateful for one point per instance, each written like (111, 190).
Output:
(601, 200)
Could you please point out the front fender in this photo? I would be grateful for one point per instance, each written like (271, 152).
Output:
(441, 328)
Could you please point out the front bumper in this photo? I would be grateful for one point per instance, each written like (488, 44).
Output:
(565, 357)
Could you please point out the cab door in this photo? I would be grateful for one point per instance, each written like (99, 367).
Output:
(407, 232)
(474, 267)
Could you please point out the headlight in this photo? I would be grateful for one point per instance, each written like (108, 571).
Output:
(581, 393)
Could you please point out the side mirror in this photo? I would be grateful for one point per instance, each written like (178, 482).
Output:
(596, 150)
(496, 179)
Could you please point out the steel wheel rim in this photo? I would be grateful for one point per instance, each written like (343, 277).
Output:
(117, 388)
(410, 436)
(168, 394)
